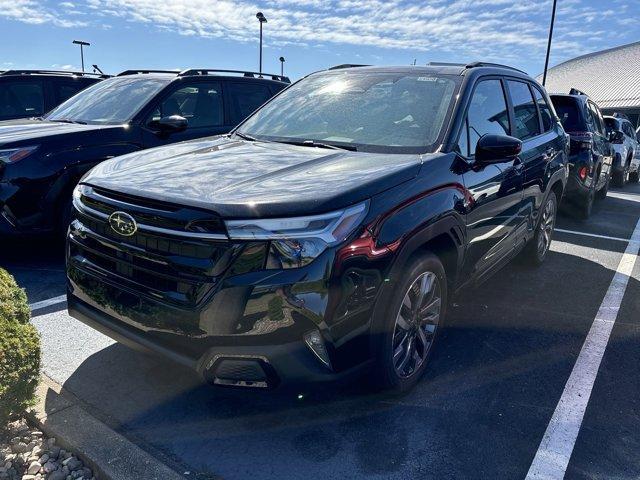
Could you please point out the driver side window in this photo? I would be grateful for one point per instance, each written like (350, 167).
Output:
(487, 114)
(201, 104)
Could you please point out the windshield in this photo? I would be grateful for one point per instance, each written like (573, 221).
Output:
(371, 111)
(113, 101)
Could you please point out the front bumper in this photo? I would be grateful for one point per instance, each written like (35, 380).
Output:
(257, 366)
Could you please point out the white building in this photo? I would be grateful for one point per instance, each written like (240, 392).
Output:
(610, 77)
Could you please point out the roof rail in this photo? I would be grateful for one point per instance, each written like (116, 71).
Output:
(346, 65)
(57, 72)
(446, 64)
(136, 72)
(244, 73)
(575, 91)
(489, 64)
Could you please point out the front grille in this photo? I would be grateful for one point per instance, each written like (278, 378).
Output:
(165, 262)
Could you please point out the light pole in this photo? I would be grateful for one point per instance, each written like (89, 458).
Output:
(281, 66)
(262, 19)
(546, 62)
(82, 44)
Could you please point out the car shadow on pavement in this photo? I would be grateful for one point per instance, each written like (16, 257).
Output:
(495, 377)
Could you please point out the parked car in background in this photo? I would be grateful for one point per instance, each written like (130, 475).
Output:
(327, 233)
(626, 160)
(591, 154)
(32, 93)
(42, 159)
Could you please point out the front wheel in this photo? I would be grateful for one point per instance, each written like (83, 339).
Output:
(536, 251)
(411, 324)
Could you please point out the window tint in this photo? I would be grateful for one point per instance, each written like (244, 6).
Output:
(628, 130)
(201, 104)
(487, 113)
(527, 124)
(246, 98)
(21, 99)
(64, 91)
(545, 110)
(567, 110)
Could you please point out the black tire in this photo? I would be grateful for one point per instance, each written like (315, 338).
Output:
(536, 250)
(585, 205)
(620, 178)
(388, 330)
(602, 193)
(634, 177)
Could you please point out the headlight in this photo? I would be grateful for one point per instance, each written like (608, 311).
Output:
(12, 155)
(297, 241)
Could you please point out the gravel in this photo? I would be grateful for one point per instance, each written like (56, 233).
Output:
(26, 454)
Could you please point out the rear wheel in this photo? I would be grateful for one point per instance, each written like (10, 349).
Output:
(585, 205)
(536, 250)
(411, 324)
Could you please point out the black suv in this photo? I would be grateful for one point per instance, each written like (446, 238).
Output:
(591, 155)
(326, 234)
(42, 159)
(31, 93)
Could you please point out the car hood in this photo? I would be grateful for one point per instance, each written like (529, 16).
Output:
(254, 179)
(27, 130)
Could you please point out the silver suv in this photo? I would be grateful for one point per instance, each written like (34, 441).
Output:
(626, 161)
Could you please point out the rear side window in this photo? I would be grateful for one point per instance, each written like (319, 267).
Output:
(487, 114)
(545, 110)
(567, 110)
(64, 91)
(246, 98)
(526, 113)
(200, 104)
(597, 118)
(628, 129)
(21, 99)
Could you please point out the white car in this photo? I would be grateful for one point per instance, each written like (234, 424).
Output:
(626, 159)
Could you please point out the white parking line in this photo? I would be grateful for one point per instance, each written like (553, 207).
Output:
(47, 303)
(634, 197)
(554, 452)
(595, 235)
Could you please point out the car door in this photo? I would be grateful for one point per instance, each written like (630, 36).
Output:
(533, 125)
(601, 144)
(201, 103)
(496, 189)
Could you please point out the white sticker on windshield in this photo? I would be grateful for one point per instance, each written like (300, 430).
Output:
(427, 79)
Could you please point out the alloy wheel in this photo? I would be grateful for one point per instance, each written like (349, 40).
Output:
(416, 324)
(547, 223)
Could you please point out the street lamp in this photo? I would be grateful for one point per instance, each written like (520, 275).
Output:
(82, 44)
(281, 66)
(262, 19)
(546, 62)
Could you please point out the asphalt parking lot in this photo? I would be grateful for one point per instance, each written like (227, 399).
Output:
(507, 365)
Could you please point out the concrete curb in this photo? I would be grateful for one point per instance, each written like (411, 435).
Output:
(59, 414)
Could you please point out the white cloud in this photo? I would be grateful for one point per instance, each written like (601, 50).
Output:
(487, 29)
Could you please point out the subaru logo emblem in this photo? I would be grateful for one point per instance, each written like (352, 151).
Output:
(123, 224)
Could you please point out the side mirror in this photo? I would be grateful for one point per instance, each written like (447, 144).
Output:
(497, 148)
(172, 124)
(616, 136)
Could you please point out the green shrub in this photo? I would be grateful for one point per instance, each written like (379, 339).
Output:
(19, 351)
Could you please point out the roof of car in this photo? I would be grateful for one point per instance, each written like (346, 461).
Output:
(207, 72)
(436, 68)
(53, 73)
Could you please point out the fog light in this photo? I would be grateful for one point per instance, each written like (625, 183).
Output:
(315, 342)
(582, 173)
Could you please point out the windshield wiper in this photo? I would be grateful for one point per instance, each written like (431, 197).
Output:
(313, 143)
(244, 136)
(67, 120)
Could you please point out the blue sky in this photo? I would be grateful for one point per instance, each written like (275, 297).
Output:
(311, 34)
